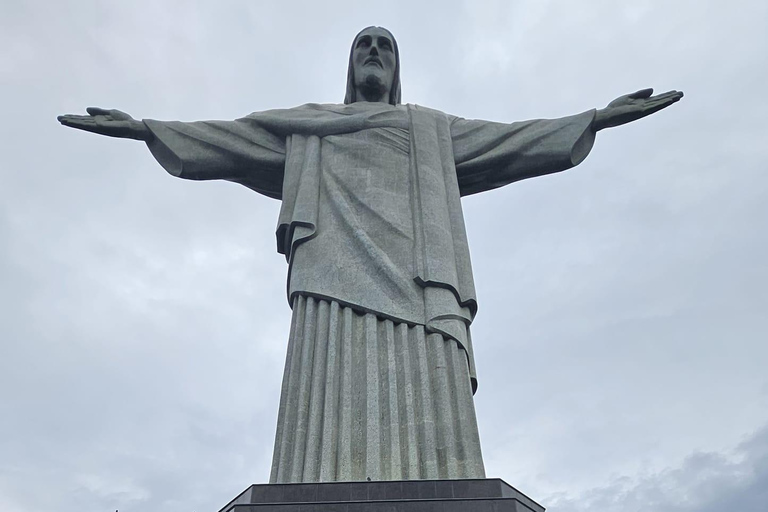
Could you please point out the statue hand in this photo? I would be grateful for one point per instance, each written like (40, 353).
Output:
(112, 123)
(632, 107)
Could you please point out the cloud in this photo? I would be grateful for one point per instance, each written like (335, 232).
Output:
(622, 318)
(704, 482)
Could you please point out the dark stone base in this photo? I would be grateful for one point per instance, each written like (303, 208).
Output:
(488, 495)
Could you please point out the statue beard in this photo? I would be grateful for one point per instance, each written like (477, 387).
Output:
(372, 88)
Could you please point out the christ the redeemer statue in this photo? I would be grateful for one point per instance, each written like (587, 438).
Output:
(379, 376)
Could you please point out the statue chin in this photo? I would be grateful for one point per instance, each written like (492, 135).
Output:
(372, 88)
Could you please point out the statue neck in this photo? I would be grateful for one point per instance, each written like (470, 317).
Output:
(372, 90)
(363, 94)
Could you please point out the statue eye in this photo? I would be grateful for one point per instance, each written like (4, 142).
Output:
(364, 42)
(384, 43)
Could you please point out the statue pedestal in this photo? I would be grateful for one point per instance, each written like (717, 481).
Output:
(487, 495)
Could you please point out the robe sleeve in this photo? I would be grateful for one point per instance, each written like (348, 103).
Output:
(240, 151)
(489, 155)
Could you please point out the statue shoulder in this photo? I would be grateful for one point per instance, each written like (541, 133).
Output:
(300, 108)
(439, 115)
(301, 112)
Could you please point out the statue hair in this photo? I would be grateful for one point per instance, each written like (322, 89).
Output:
(394, 90)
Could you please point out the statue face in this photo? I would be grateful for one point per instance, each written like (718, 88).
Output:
(373, 57)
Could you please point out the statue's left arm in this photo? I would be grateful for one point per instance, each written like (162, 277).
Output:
(490, 155)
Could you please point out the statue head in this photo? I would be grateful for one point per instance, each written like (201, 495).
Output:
(374, 67)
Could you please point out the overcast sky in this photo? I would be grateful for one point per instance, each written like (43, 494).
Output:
(621, 336)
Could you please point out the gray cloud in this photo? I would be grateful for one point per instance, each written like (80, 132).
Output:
(704, 482)
(622, 304)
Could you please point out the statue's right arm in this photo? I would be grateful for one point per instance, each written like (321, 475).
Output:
(112, 123)
(241, 151)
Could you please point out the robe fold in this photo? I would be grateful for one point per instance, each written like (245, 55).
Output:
(371, 216)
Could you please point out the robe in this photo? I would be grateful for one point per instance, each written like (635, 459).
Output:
(379, 273)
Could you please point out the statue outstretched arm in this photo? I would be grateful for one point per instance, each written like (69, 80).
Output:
(490, 155)
(241, 151)
(109, 122)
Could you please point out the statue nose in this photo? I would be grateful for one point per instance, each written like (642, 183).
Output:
(374, 51)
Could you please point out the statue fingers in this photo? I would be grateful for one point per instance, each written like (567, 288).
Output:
(663, 99)
(76, 120)
(676, 95)
(85, 123)
(666, 95)
(657, 105)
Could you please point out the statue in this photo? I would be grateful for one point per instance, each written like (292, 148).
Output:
(379, 375)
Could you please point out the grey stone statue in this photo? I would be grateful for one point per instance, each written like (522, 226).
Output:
(379, 376)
